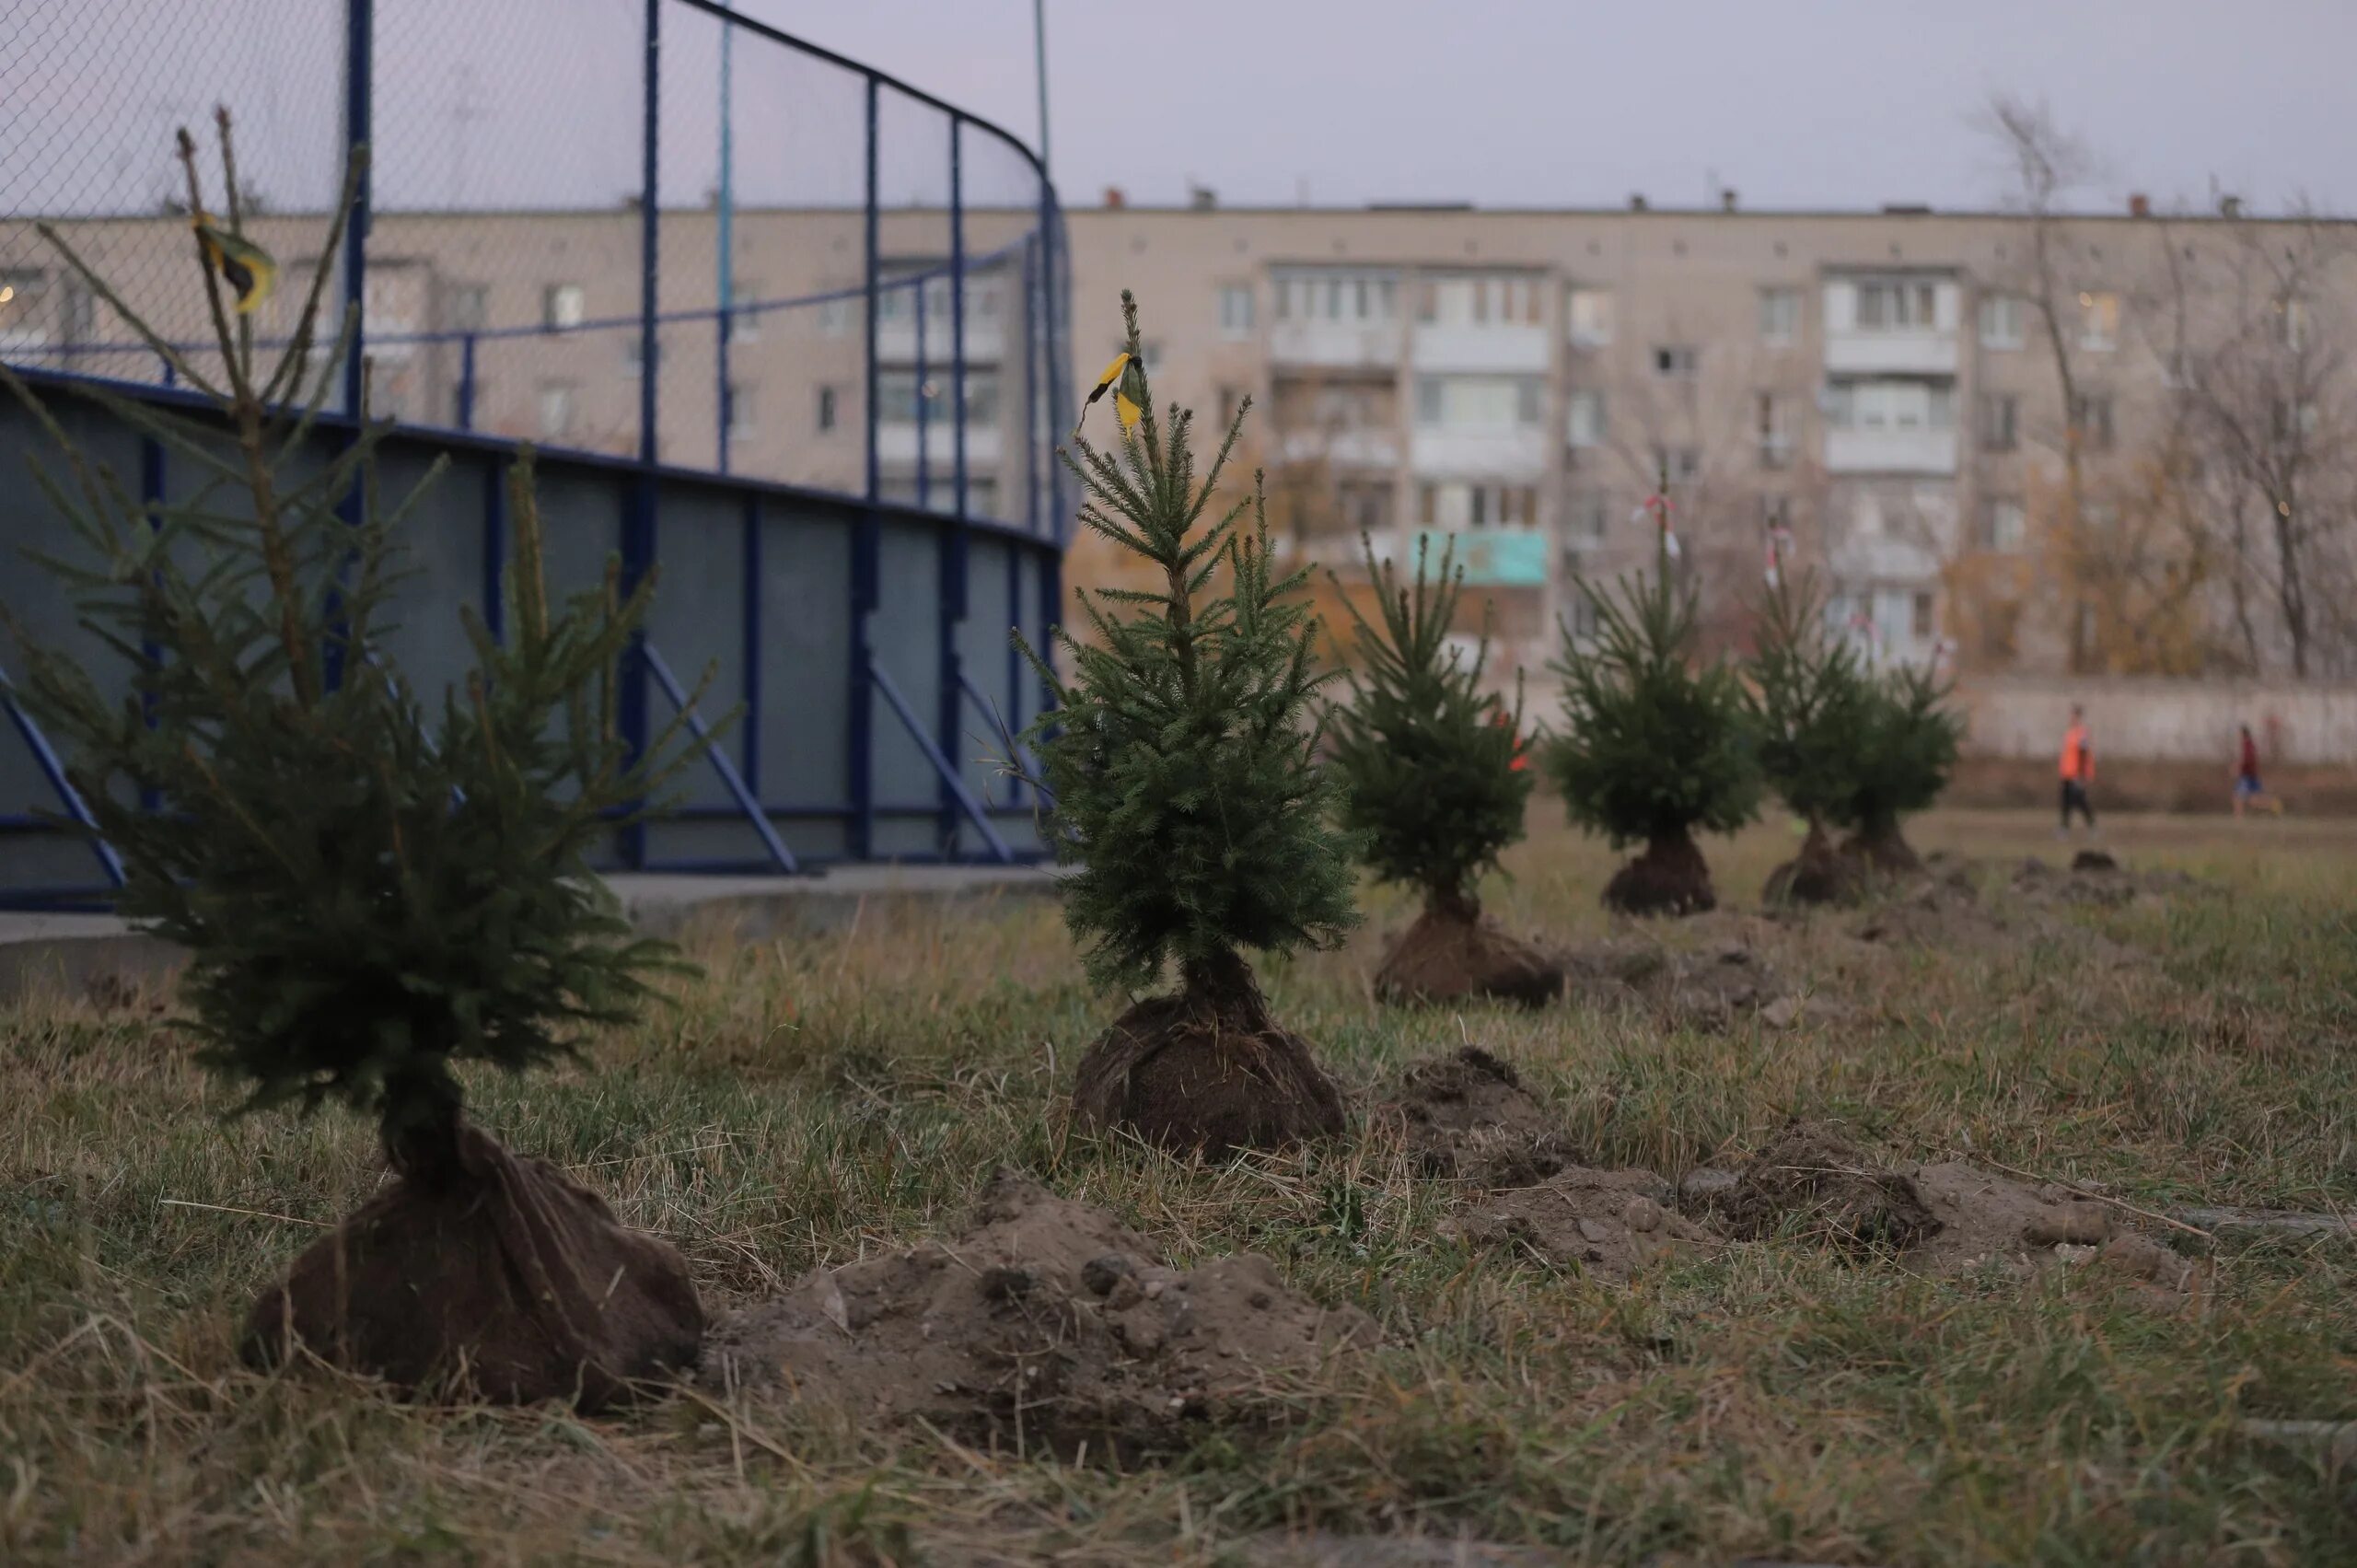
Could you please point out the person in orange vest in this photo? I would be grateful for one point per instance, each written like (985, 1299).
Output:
(2078, 771)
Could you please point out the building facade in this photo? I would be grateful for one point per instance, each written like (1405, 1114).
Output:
(1875, 397)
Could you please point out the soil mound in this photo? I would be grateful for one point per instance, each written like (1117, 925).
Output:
(1669, 877)
(1610, 1223)
(1450, 956)
(1049, 1323)
(509, 1282)
(1814, 1181)
(1705, 990)
(2095, 877)
(1944, 911)
(1986, 1218)
(1207, 1069)
(1468, 1117)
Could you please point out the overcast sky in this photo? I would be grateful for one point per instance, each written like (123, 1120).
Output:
(1796, 103)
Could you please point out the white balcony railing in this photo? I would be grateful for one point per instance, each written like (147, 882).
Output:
(1336, 345)
(1517, 453)
(1927, 352)
(1890, 451)
(1508, 348)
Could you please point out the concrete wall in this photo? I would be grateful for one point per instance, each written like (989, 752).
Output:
(2312, 725)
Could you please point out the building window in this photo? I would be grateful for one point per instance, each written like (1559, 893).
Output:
(1428, 400)
(743, 325)
(834, 318)
(556, 410)
(2091, 417)
(1676, 359)
(1589, 312)
(2001, 321)
(1528, 395)
(1780, 315)
(562, 305)
(828, 412)
(1234, 310)
(467, 307)
(741, 410)
(23, 322)
(1367, 505)
(898, 396)
(1584, 425)
(1922, 625)
(2004, 524)
(1228, 399)
(1428, 505)
(1997, 415)
(1777, 438)
(2099, 322)
(1898, 304)
(1584, 621)
(1680, 463)
(1589, 510)
(981, 497)
(2291, 323)
(981, 398)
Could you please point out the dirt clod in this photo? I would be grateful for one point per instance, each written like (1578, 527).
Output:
(1467, 1116)
(1815, 1179)
(1104, 1343)
(1608, 1222)
(1710, 988)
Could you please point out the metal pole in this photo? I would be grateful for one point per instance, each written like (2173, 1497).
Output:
(865, 544)
(467, 382)
(725, 239)
(360, 31)
(1039, 47)
(953, 544)
(924, 424)
(639, 522)
(494, 549)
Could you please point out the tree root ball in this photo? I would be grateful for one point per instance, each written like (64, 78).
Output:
(1669, 877)
(1452, 954)
(500, 1278)
(1819, 875)
(1206, 1069)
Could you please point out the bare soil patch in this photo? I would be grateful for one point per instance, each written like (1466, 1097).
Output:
(1610, 1223)
(1048, 1323)
(1467, 1116)
(1452, 955)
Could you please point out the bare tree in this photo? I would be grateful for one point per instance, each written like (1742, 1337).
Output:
(2267, 381)
(2044, 164)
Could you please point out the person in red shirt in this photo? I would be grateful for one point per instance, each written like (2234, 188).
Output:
(2248, 789)
(2078, 771)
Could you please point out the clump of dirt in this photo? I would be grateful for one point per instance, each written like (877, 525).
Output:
(1813, 1179)
(1452, 953)
(1048, 1323)
(2095, 877)
(1467, 1116)
(1610, 1223)
(1708, 989)
(1986, 1218)
(1941, 912)
(1818, 874)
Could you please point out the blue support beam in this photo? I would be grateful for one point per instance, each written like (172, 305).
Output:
(730, 779)
(639, 522)
(866, 542)
(975, 811)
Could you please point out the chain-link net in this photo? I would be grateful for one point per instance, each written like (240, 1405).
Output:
(504, 269)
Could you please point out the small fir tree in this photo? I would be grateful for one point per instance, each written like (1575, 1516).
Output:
(1434, 786)
(373, 887)
(1182, 760)
(1810, 711)
(1905, 751)
(1653, 748)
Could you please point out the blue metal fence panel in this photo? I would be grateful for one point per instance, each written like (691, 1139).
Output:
(497, 296)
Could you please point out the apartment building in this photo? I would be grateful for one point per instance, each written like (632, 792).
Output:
(1872, 397)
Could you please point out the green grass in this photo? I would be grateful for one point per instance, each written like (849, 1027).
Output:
(806, 1103)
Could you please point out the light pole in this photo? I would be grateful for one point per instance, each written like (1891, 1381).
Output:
(725, 237)
(1039, 47)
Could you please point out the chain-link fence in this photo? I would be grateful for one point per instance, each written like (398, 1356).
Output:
(779, 326)
(840, 283)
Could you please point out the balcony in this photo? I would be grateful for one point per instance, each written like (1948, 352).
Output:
(1490, 557)
(897, 444)
(1335, 345)
(1509, 348)
(896, 341)
(1930, 351)
(1343, 449)
(1517, 452)
(1890, 451)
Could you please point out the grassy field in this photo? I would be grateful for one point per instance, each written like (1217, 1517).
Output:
(807, 1103)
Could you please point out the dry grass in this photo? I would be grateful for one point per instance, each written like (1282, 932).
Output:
(804, 1104)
